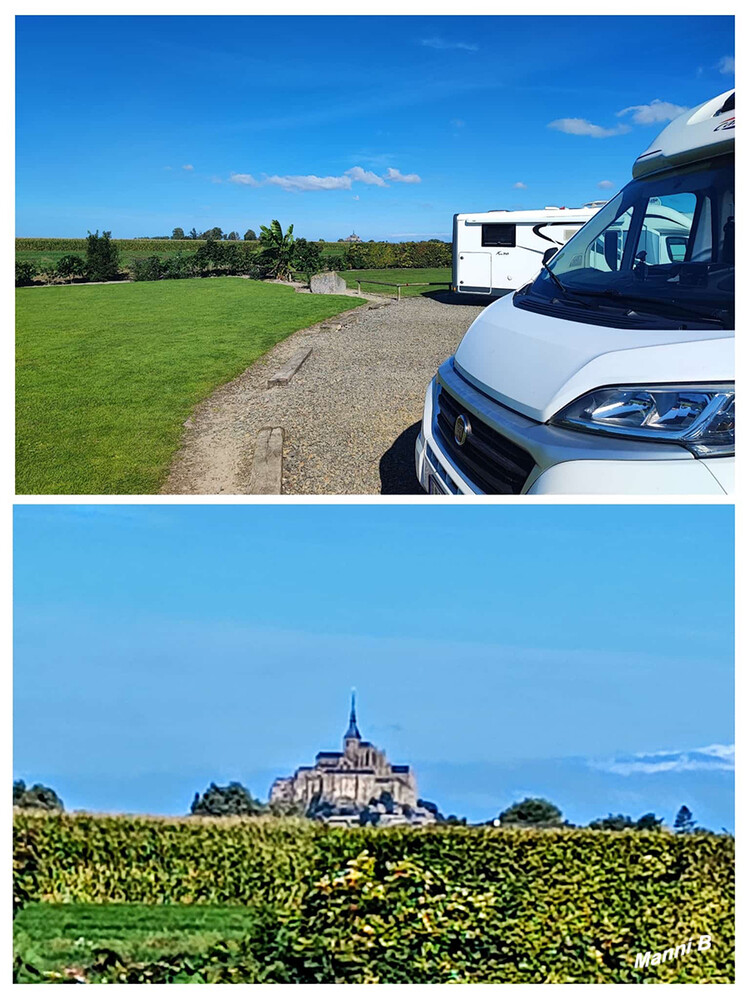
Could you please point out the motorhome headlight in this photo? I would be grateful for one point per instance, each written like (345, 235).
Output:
(698, 417)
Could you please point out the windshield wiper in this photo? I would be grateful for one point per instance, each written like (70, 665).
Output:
(624, 298)
(560, 285)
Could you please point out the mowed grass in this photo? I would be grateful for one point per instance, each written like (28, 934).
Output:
(395, 274)
(51, 937)
(107, 374)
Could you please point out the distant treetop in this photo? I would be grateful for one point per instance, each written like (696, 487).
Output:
(36, 796)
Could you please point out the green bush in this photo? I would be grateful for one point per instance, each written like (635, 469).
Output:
(25, 274)
(438, 904)
(71, 266)
(102, 257)
(147, 269)
(180, 265)
(308, 258)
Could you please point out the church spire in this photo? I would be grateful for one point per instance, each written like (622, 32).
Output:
(353, 732)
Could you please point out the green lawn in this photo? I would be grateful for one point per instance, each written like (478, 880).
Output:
(52, 937)
(107, 374)
(392, 274)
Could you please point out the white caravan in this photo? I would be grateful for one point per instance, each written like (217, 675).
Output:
(497, 252)
(612, 371)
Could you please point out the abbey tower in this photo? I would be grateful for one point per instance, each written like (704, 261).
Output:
(356, 778)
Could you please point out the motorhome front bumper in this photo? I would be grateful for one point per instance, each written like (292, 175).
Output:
(503, 452)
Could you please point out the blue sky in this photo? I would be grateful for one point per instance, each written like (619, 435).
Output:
(503, 651)
(385, 125)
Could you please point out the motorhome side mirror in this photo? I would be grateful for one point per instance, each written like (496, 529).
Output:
(549, 254)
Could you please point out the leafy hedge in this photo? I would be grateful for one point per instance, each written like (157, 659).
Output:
(376, 256)
(430, 905)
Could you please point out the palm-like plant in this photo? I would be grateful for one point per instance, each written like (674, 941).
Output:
(278, 249)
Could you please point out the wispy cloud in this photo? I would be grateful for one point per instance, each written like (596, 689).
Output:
(581, 126)
(726, 64)
(402, 178)
(519, 186)
(457, 122)
(188, 166)
(341, 182)
(442, 44)
(605, 184)
(309, 182)
(714, 757)
(244, 178)
(656, 111)
(362, 176)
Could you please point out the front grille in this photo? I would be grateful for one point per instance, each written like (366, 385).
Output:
(489, 460)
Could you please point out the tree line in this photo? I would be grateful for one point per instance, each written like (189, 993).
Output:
(215, 232)
(234, 799)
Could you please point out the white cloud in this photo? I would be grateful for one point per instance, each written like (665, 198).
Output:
(580, 126)
(726, 64)
(457, 123)
(519, 185)
(441, 44)
(188, 166)
(402, 178)
(605, 184)
(311, 182)
(365, 176)
(355, 198)
(244, 178)
(714, 757)
(656, 111)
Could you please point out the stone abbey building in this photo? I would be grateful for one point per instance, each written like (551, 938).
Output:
(355, 779)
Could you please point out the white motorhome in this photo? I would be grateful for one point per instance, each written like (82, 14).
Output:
(612, 371)
(496, 252)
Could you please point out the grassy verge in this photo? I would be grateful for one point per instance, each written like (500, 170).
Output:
(107, 374)
(394, 274)
(53, 937)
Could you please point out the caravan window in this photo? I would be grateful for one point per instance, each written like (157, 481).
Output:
(498, 235)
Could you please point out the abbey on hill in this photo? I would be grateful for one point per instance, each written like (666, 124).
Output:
(341, 786)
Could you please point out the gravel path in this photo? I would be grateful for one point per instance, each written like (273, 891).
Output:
(350, 415)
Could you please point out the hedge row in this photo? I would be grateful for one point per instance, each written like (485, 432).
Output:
(361, 256)
(419, 905)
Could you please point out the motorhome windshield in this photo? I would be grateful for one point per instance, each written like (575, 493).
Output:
(661, 251)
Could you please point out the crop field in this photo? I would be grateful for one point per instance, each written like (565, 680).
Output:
(107, 374)
(394, 274)
(126, 899)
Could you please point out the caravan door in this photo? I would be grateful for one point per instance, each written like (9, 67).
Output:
(475, 271)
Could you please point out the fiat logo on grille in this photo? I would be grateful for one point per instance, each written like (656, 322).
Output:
(461, 429)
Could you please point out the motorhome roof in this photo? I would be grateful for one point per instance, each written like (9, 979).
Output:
(535, 216)
(704, 131)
